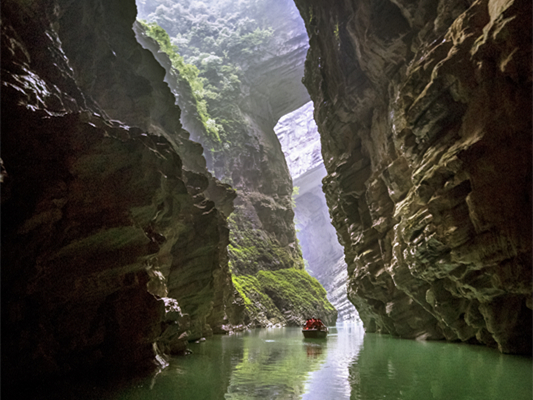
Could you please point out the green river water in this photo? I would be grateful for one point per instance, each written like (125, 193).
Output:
(280, 364)
(349, 364)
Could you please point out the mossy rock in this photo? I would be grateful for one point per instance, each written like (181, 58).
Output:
(252, 249)
(260, 310)
(287, 296)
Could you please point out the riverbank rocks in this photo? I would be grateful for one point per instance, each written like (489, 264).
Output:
(421, 107)
(174, 336)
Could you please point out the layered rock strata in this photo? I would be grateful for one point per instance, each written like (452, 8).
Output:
(108, 210)
(424, 108)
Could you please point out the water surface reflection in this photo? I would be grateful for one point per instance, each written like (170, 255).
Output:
(331, 381)
(397, 369)
(281, 364)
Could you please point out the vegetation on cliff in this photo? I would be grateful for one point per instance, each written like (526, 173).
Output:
(188, 72)
(217, 46)
(249, 244)
(290, 295)
(212, 67)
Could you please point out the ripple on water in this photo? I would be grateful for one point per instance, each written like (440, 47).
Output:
(280, 364)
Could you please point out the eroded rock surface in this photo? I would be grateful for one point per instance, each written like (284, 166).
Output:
(424, 112)
(252, 77)
(107, 206)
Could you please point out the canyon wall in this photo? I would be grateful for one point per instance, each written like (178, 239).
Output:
(249, 57)
(299, 138)
(113, 248)
(424, 109)
(115, 234)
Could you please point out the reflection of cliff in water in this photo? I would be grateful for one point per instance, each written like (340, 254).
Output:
(273, 360)
(314, 348)
(331, 381)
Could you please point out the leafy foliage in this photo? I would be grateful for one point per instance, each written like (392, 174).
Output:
(295, 193)
(186, 71)
(216, 38)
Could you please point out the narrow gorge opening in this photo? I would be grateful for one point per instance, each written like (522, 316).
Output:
(235, 69)
(323, 255)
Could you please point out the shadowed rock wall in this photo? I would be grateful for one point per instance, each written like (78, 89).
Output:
(127, 83)
(103, 197)
(424, 108)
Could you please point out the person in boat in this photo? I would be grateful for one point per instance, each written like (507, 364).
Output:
(314, 323)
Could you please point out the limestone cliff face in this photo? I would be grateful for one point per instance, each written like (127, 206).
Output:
(108, 210)
(300, 141)
(424, 112)
(252, 76)
(268, 85)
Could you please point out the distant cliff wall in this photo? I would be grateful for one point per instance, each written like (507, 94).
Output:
(300, 141)
(250, 58)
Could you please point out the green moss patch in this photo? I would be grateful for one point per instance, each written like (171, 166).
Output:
(289, 296)
(259, 307)
(251, 249)
(296, 291)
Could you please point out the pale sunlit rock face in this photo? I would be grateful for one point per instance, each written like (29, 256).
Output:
(300, 142)
(298, 135)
